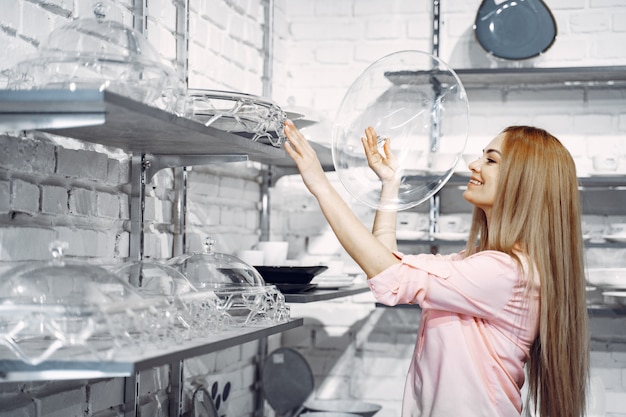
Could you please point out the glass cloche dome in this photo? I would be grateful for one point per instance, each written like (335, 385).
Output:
(419, 103)
(96, 53)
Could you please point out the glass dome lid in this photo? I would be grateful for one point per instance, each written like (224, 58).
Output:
(100, 38)
(154, 279)
(62, 285)
(100, 54)
(214, 270)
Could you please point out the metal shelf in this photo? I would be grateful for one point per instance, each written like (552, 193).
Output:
(511, 78)
(565, 77)
(324, 295)
(127, 365)
(113, 120)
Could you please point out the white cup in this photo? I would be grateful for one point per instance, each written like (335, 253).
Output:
(252, 257)
(618, 229)
(605, 163)
(274, 252)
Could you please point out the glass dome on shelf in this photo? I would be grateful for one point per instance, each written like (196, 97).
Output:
(96, 53)
(65, 306)
(184, 313)
(240, 291)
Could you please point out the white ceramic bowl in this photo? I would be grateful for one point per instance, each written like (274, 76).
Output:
(606, 277)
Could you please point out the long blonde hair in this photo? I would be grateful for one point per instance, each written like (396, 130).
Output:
(537, 211)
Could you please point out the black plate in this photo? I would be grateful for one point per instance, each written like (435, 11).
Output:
(514, 29)
(290, 274)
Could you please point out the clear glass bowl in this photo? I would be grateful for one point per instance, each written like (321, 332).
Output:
(95, 53)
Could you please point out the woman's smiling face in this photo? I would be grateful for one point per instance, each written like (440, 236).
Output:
(482, 186)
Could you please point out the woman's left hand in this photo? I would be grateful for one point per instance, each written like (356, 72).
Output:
(385, 166)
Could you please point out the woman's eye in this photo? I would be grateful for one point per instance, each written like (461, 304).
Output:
(491, 161)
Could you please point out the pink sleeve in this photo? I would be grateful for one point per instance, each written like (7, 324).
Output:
(479, 285)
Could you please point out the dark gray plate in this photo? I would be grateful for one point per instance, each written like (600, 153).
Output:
(515, 29)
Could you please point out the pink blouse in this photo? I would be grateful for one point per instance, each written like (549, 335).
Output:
(478, 323)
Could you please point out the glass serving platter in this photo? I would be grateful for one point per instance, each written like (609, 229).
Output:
(257, 118)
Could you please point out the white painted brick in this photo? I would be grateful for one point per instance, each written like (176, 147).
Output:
(24, 196)
(108, 205)
(26, 155)
(80, 242)
(164, 12)
(605, 48)
(102, 394)
(114, 172)
(64, 404)
(298, 8)
(5, 196)
(619, 21)
(25, 243)
(349, 29)
(396, 7)
(228, 357)
(376, 29)
(198, 32)
(124, 201)
(230, 187)
(39, 23)
(233, 217)
(82, 164)
(54, 200)
(333, 9)
(605, 3)
(158, 35)
(203, 213)
(153, 380)
(615, 402)
(122, 245)
(82, 202)
(593, 123)
(157, 210)
(586, 22)
(154, 405)
(200, 365)
(158, 246)
(556, 5)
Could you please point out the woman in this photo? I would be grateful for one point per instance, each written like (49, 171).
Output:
(515, 297)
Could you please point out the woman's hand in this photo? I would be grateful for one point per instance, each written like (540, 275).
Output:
(306, 159)
(385, 166)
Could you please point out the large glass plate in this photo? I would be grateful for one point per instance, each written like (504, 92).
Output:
(258, 118)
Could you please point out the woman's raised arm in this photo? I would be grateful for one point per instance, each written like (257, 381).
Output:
(368, 252)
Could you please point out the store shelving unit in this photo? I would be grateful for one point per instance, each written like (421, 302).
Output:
(156, 140)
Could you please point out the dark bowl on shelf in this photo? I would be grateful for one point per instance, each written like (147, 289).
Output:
(290, 274)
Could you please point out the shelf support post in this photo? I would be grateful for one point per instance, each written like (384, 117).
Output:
(131, 395)
(137, 205)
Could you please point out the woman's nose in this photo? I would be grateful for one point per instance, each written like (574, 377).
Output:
(474, 165)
